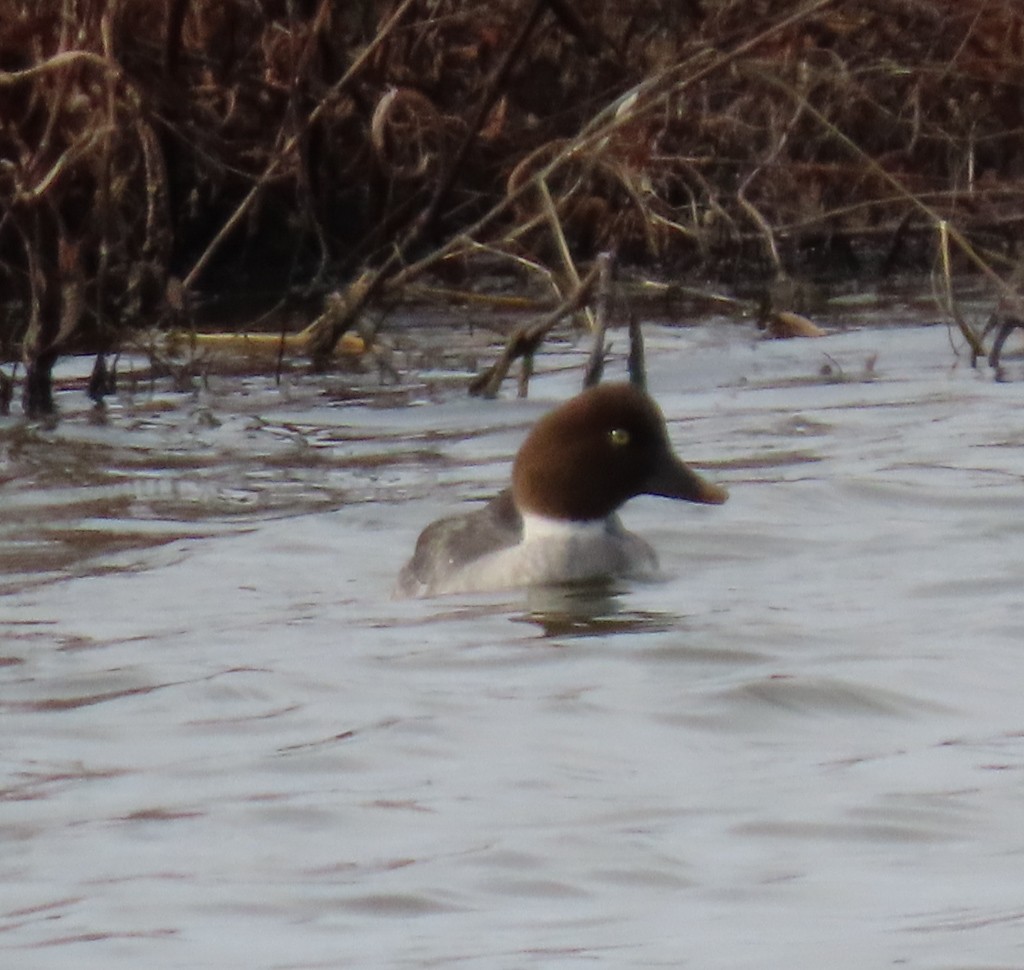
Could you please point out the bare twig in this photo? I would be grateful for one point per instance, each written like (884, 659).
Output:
(527, 337)
(637, 361)
(966, 330)
(595, 363)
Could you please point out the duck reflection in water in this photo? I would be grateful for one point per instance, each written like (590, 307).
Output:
(591, 609)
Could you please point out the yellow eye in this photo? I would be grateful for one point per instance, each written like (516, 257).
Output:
(618, 436)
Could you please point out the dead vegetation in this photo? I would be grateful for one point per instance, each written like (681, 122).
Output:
(157, 158)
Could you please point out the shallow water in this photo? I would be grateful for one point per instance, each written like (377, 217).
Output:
(226, 746)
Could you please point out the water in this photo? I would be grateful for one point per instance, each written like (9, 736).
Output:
(226, 746)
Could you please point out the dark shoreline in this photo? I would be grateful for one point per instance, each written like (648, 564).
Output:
(159, 158)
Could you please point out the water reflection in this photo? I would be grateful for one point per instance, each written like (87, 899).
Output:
(590, 610)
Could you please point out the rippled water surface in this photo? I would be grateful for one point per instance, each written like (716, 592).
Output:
(225, 745)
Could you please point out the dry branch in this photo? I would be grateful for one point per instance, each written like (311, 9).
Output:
(526, 338)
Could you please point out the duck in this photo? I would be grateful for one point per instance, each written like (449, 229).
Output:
(557, 523)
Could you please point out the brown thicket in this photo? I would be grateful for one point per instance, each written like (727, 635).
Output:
(155, 155)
